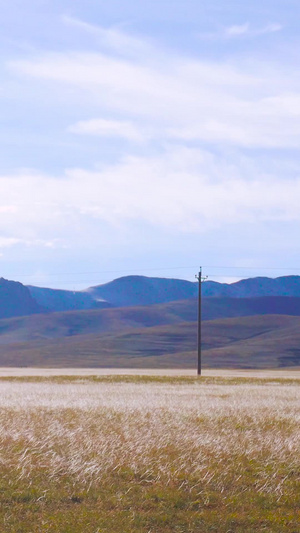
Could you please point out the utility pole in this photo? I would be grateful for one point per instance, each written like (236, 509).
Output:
(200, 279)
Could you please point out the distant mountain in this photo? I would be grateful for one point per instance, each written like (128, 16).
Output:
(131, 291)
(16, 300)
(254, 287)
(140, 290)
(60, 300)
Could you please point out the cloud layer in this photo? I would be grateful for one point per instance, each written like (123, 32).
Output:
(183, 190)
(238, 103)
(181, 143)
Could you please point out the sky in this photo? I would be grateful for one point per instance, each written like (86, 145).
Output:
(148, 138)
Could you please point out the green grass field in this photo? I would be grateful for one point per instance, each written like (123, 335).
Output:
(149, 454)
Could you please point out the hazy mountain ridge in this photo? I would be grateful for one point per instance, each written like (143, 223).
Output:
(254, 287)
(141, 290)
(131, 291)
(54, 300)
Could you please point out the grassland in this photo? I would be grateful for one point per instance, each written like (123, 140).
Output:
(149, 454)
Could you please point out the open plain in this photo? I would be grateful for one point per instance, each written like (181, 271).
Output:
(149, 453)
(291, 373)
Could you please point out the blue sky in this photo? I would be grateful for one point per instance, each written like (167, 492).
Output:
(149, 138)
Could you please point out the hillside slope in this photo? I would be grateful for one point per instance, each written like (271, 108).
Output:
(73, 323)
(249, 342)
(16, 300)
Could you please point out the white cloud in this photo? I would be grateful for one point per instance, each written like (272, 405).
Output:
(108, 128)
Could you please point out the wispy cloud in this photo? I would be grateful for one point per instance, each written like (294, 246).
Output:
(113, 38)
(8, 242)
(241, 31)
(108, 128)
(234, 31)
(175, 97)
(247, 30)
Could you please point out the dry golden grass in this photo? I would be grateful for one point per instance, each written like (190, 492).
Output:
(81, 455)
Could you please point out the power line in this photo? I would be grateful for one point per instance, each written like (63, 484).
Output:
(116, 271)
(219, 267)
(74, 277)
(250, 267)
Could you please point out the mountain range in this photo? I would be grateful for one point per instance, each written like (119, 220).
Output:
(140, 321)
(131, 291)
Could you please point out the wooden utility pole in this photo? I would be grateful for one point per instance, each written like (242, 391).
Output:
(200, 279)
